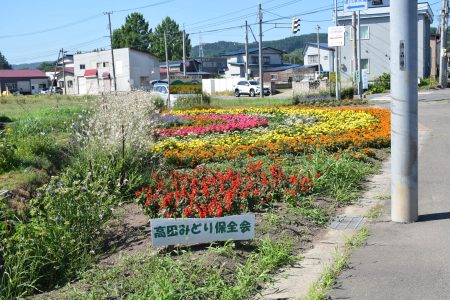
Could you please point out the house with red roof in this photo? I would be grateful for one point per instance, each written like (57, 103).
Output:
(26, 82)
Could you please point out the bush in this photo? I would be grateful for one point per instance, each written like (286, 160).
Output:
(192, 101)
(7, 151)
(347, 93)
(5, 119)
(381, 85)
(428, 82)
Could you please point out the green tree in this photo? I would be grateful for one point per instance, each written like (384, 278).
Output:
(135, 33)
(4, 62)
(174, 40)
(46, 66)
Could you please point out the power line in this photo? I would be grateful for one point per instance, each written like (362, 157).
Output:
(145, 6)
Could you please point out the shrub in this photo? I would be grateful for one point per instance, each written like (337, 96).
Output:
(347, 93)
(428, 82)
(7, 151)
(381, 85)
(192, 101)
(5, 119)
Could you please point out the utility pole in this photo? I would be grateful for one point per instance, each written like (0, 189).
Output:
(318, 48)
(404, 107)
(336, 53)
(64, 70)
(246, 51)
(112, 51)
(355, 48)
(261, 70)
(359, 56)
(54, 74)
(167, 68)
(184, 52)
(444, 29)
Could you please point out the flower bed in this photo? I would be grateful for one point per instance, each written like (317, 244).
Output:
(210, 123)
(335, 129)
(204, 192)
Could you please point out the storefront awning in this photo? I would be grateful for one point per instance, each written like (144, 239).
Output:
(90, 73)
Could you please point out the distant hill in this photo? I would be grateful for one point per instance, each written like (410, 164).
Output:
(31, 66)
(289, 44)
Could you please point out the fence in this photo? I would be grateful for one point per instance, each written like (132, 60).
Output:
(213, 86)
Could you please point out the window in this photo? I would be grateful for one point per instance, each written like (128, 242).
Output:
(365, 64)
(266, 60)
(363, 33)
(69, 83)
(254, 60)
(325, 57)
(105, 64)
(273, 76)
(99, 65)
(313, 59)
(82, 67)
(377, 2)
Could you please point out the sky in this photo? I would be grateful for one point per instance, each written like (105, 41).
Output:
(34, 31)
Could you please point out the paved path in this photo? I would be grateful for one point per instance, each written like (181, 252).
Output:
(424, 96)
(411, 261)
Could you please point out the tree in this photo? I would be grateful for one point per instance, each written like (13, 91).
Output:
(174, 40)
(135, 33)
(46, 66)
(4, 62)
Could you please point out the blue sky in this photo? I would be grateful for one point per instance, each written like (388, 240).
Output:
(35, 30)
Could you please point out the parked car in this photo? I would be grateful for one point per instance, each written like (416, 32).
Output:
(53, 90)
(162, 90)
(249, 87)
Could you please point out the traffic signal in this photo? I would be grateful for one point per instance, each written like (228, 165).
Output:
(295, 25)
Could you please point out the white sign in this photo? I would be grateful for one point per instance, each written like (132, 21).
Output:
(365, 79)
(355, 5)
(336, 36)
(167, 232)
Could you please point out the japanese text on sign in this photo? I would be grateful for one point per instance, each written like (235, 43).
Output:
(167, 232)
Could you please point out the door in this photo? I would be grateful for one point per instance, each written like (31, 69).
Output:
(82, 86)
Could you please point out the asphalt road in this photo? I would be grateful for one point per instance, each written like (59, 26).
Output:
(411, 261)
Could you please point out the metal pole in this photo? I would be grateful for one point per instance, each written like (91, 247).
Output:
(261, 70)
(336, 54)
(318, 48)
(404, 132)
(167, 68)
(112, 52)
(359, 55)
(54, 74)
(64, 70)
(355, 49)
(184, 52)
(246, 51)
(443, 81)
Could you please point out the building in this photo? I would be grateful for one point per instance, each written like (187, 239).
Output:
(68, 77)
(311, 56)
(26, 82)
(213, 65)
(236, 61)
(134, 69)
(375, 40)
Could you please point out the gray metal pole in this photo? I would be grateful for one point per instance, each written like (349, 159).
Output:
(336, 54)
(246, 50)
(404, 132)
(184, 52)
(64, 70)
(318, 49)
(167, 69)
(443, 81)
(261, 70)
(359, 56)
(355, 48)
(112, 52)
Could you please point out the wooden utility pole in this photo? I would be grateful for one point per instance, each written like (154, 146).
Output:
(355, 47)
(184, 52)
(112, 52)
(64, 70)
(318, 49)
(167, 67)
(261, 70)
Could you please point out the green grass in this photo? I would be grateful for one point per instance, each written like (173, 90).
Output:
(248, 102)
(321, 289)
(17, 107)
(185, 276)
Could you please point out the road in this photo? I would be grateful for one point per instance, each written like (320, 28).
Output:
(411, 261)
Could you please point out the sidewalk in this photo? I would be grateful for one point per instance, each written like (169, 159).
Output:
(411, 261)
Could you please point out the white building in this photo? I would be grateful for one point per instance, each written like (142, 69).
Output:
(311, 56)
(134, 69)
(236, 61)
